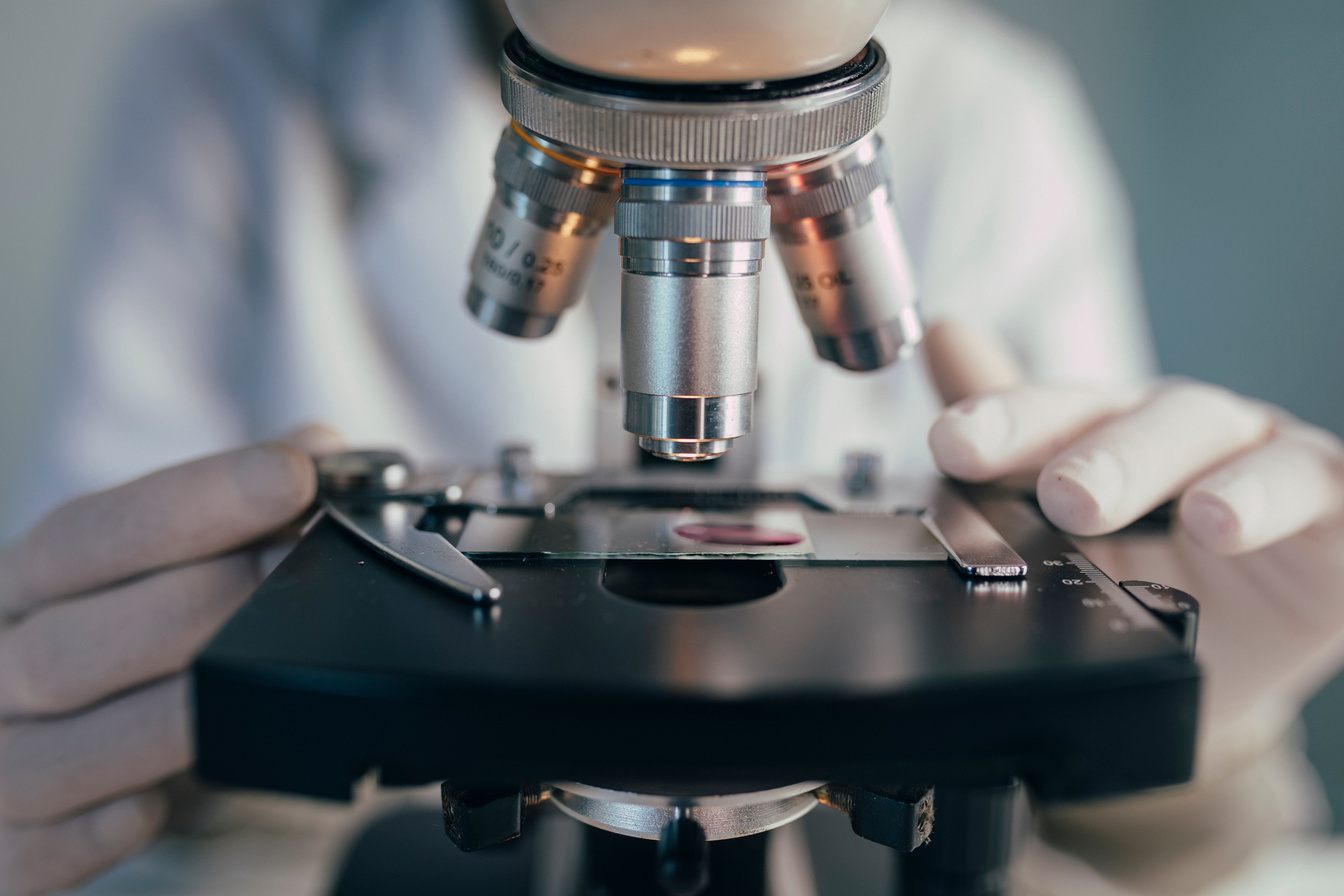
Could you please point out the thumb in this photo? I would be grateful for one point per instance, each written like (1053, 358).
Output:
(997, 427)
(965, 361)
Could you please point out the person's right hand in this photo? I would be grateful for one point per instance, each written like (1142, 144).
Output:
(103, 605)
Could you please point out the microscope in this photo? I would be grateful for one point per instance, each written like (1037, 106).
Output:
(660, 671)
(700, 136)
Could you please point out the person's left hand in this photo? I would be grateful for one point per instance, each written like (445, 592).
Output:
(1257, 535)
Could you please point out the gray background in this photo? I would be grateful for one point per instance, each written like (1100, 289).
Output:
(1225, 117)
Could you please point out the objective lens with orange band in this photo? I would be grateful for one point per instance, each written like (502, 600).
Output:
(536, 244)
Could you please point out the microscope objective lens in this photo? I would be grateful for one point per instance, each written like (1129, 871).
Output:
(531, 260)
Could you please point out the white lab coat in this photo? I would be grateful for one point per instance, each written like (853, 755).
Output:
(280, 232)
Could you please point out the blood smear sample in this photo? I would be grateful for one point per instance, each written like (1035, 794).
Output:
(746, 534)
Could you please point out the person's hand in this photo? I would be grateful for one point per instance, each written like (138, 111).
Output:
(103, 605)
(1259, 515)
(1258, 540)
(1247, 475)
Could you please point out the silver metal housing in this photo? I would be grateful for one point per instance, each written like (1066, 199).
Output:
(722, 816)
(689, 427)
(531, 261)
(691, 250)
(688, 336)
(779, 122)
(835, 228)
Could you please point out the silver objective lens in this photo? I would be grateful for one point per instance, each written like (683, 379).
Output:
(531, 261)
(835, 228)
(691, 249)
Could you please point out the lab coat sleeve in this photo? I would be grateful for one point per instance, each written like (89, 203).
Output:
(156, 306)
(1015, 215)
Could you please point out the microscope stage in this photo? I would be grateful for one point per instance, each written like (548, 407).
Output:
(623, 652)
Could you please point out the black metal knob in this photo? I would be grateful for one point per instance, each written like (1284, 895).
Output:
(477, 817)
(683, 857)
(897, 816)
(1176, 610)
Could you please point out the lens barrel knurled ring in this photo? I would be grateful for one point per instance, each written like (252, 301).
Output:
(699, 221)
(695, 126)
(831, 197)
(548, 189)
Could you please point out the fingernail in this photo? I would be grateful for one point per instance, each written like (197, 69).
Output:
(985, 426)
(1083, 493)
(1226, 516)
(274, 478)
